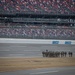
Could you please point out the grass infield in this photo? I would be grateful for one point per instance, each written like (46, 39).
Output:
(13, 64)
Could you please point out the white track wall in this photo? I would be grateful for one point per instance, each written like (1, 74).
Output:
(36, 41)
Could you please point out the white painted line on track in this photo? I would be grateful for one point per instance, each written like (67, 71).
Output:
(4, 50)
(31, 50)
(16, 55)
(43, 72)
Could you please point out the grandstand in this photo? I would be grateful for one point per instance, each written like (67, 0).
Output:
(37, 6)
(37, 19)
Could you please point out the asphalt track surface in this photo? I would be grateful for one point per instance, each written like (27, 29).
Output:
(44, 71)
(31, 50)
(35, 50)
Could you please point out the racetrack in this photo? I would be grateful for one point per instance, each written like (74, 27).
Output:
(31, 50)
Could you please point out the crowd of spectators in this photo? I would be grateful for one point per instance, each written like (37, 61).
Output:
(37, 31)
(38, 6)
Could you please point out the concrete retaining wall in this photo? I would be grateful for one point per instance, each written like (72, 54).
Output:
(36, 41)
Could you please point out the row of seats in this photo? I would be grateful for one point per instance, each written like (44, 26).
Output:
(32, 31)
(38, 6)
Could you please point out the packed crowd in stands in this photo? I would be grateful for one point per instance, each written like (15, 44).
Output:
(38, 6)
(37, 31)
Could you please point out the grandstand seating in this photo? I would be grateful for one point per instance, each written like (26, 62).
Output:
(14, 30)
(38, 6)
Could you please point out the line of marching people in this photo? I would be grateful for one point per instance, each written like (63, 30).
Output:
(56, 54)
